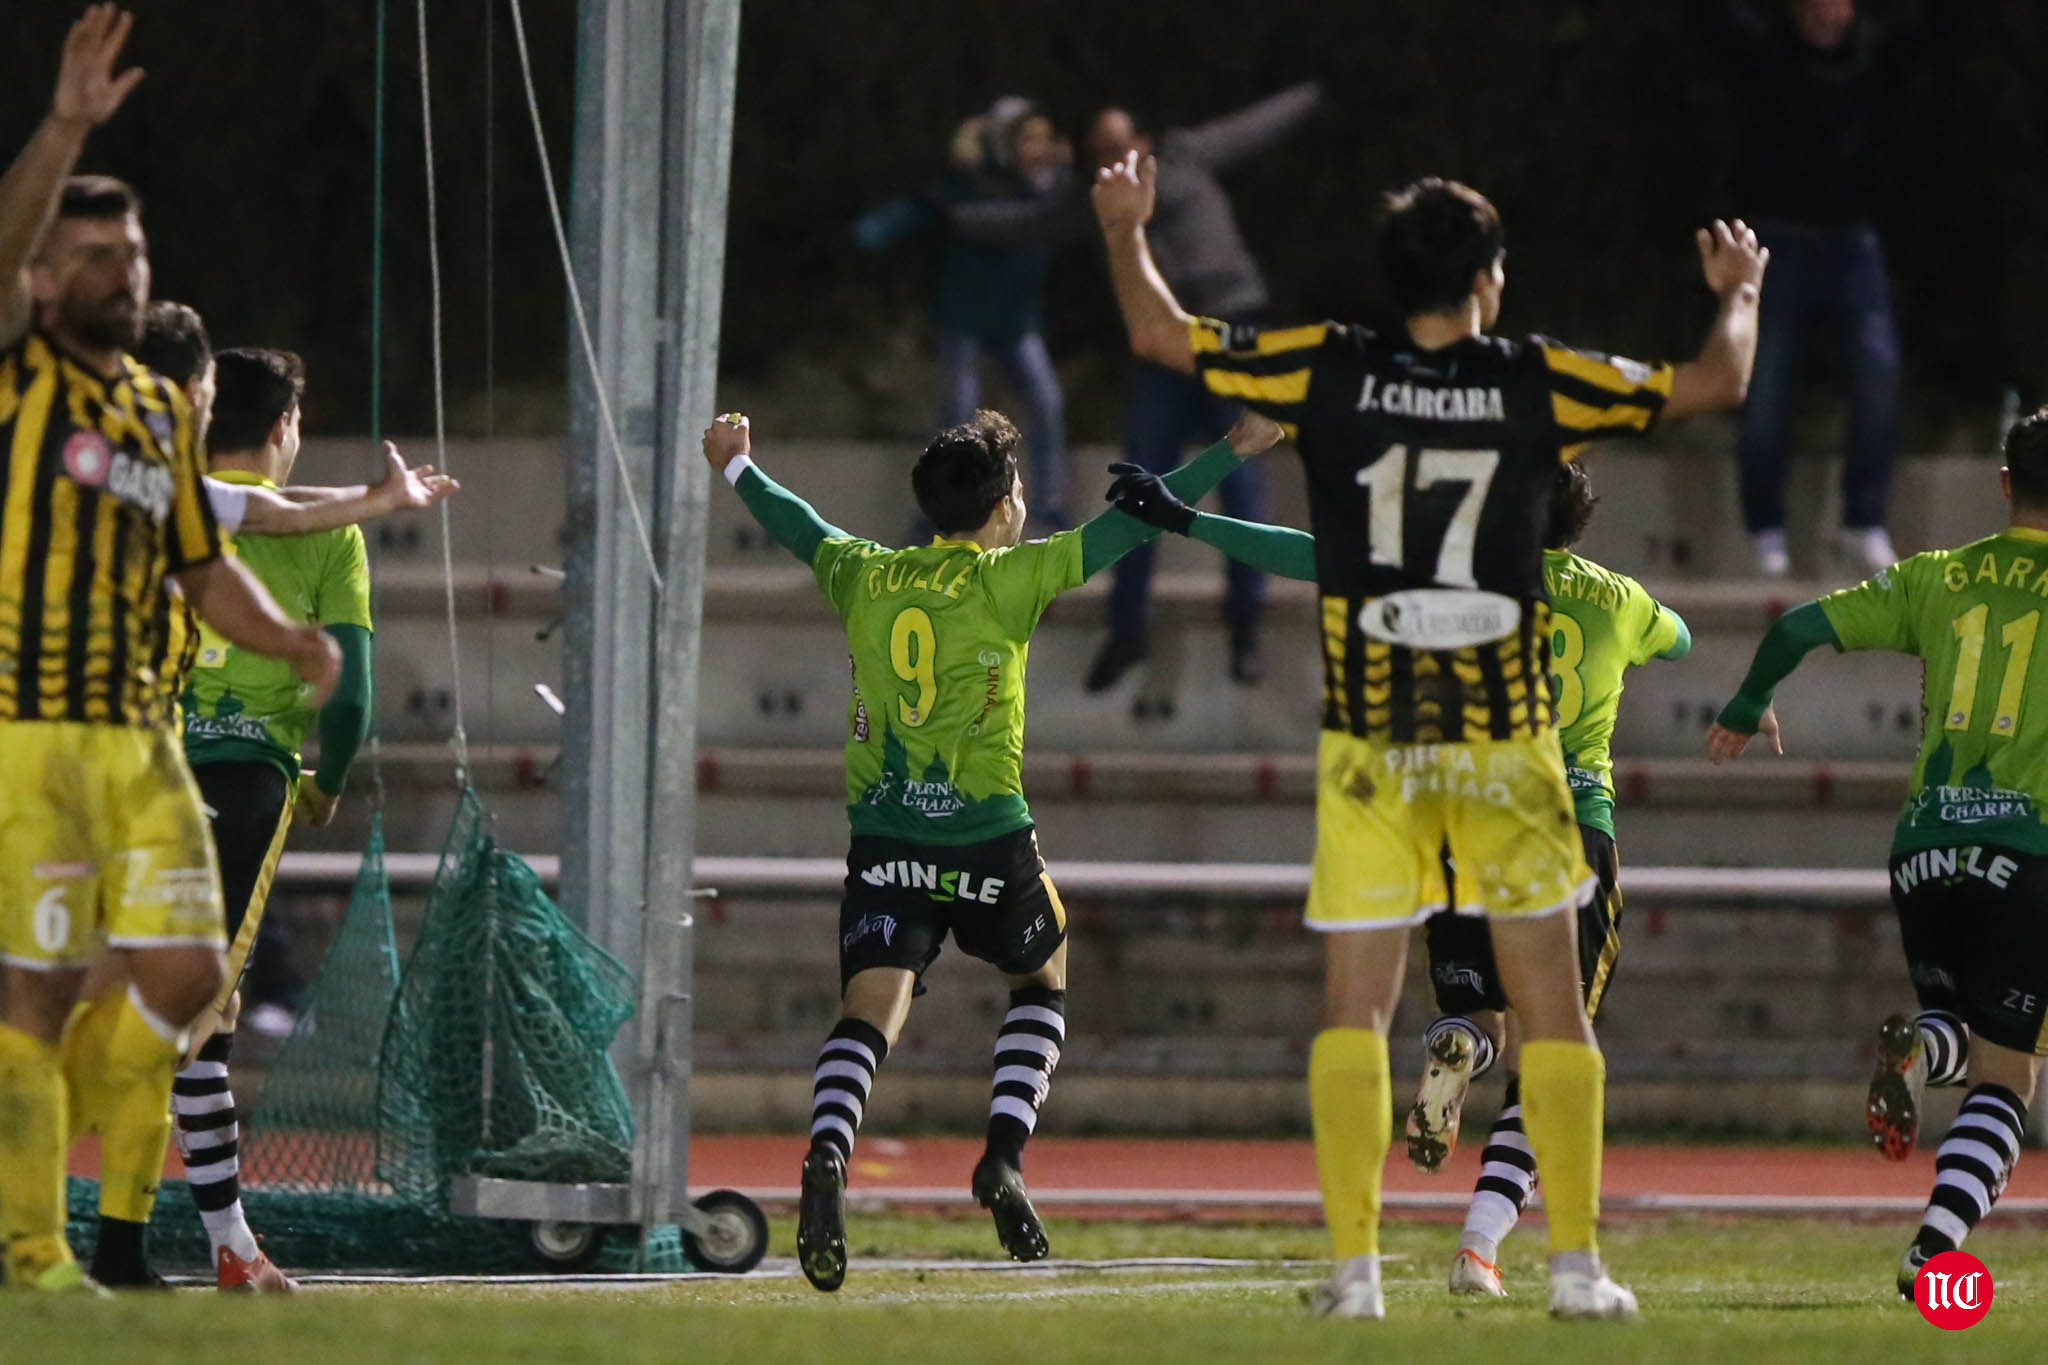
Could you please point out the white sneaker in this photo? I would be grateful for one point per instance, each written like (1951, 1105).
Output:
(1866, 548)
(1588, 1294)
(1773, 560)
(1348, 1299)
(1473, 1274)
(1440, 1100)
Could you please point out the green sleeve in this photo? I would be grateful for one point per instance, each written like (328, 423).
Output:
(787, 518)
(345, 719)
(1115, 534)
(1681, 636)
(1791, 638)
(1280, 550)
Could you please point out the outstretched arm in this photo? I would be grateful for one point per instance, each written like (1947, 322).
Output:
(1117, 531)
(790, 521)
(1733, 264)
(302, 511)
(1157, 324)
(1235, 137)
(88, 92)
(1279, 550)
(1790, 639)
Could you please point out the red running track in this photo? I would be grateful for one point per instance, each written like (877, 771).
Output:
(1151, 1175)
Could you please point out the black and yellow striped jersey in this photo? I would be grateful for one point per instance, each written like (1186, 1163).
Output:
(176, 652)
(102, 501)
(1430, 470)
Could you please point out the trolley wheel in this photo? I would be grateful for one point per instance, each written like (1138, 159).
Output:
(566, 1247)
(734, 1235)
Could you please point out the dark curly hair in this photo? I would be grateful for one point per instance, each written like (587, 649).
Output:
(1435, 235)
(966, 472)
(1571, 506)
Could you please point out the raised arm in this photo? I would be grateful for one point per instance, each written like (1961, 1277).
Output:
(790, 521)
(1157, 324)
(1236, 137)
(302, 511)
(1115, 533)
(88, 92)
(1790, 639)
(1279, 550)
(1718, 377)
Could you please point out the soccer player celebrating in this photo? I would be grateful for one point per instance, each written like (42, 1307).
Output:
(107, 847)
(942, 839)
(1603, 623)
(1429, 455)
(1969, 859)
(135, 1128)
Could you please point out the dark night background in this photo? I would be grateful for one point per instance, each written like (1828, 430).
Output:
(1603, 128)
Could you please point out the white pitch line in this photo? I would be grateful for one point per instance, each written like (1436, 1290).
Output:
(1450, 1200)
(895, 1297)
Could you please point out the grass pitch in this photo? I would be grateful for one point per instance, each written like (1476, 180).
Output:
(1745, 1290)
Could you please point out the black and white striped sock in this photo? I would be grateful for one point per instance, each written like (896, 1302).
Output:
(1483, 1054)
(209, 1139)
(1945, 1040)
(1027, 1050)
(1971, 1167)
(1507, 1177)
(846, 1073)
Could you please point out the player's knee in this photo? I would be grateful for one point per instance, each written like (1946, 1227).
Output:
(1991, 1064)
(179, 983)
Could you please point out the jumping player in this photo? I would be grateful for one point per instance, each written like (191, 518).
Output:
(1969, 858)
(942, 839)
(1429, 455)
(1603, 623)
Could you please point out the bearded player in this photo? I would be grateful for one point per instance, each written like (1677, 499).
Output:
(942, 839)
(1969, 858)
(1429, 453)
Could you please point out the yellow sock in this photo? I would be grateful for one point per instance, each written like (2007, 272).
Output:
(120, 1060)
(1351, 1101)
(1564, 1102)
(32, 1129)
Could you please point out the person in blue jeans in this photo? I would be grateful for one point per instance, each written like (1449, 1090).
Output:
(1816, 78)
(988, 299)
(1202, 253)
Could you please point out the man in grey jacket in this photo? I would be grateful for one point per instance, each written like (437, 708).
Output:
(1201, 252)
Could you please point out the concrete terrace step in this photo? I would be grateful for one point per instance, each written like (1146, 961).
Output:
(1679, 783)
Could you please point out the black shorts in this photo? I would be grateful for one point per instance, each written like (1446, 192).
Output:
(994, 898)
(1460, 947)
(1974, 923)
(249, 806)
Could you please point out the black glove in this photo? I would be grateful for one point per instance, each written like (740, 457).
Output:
(1142, 494)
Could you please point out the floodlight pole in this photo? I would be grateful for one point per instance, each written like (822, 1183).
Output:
(653, 155)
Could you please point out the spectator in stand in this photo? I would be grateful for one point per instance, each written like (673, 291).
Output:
(1816, 78)
(990, 296)
(1199, 249)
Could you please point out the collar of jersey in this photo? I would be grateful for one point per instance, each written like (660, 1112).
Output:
(952, 544)
(2025, 533)
(247, 476)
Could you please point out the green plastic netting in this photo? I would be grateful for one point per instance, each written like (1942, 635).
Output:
(486, 1055)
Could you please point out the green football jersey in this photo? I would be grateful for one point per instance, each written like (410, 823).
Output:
(1974, 616)
(1603, 623)
(939, 635)
(243, 706)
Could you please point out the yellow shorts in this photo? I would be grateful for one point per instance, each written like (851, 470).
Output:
(102, 841)
(1385, 811)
